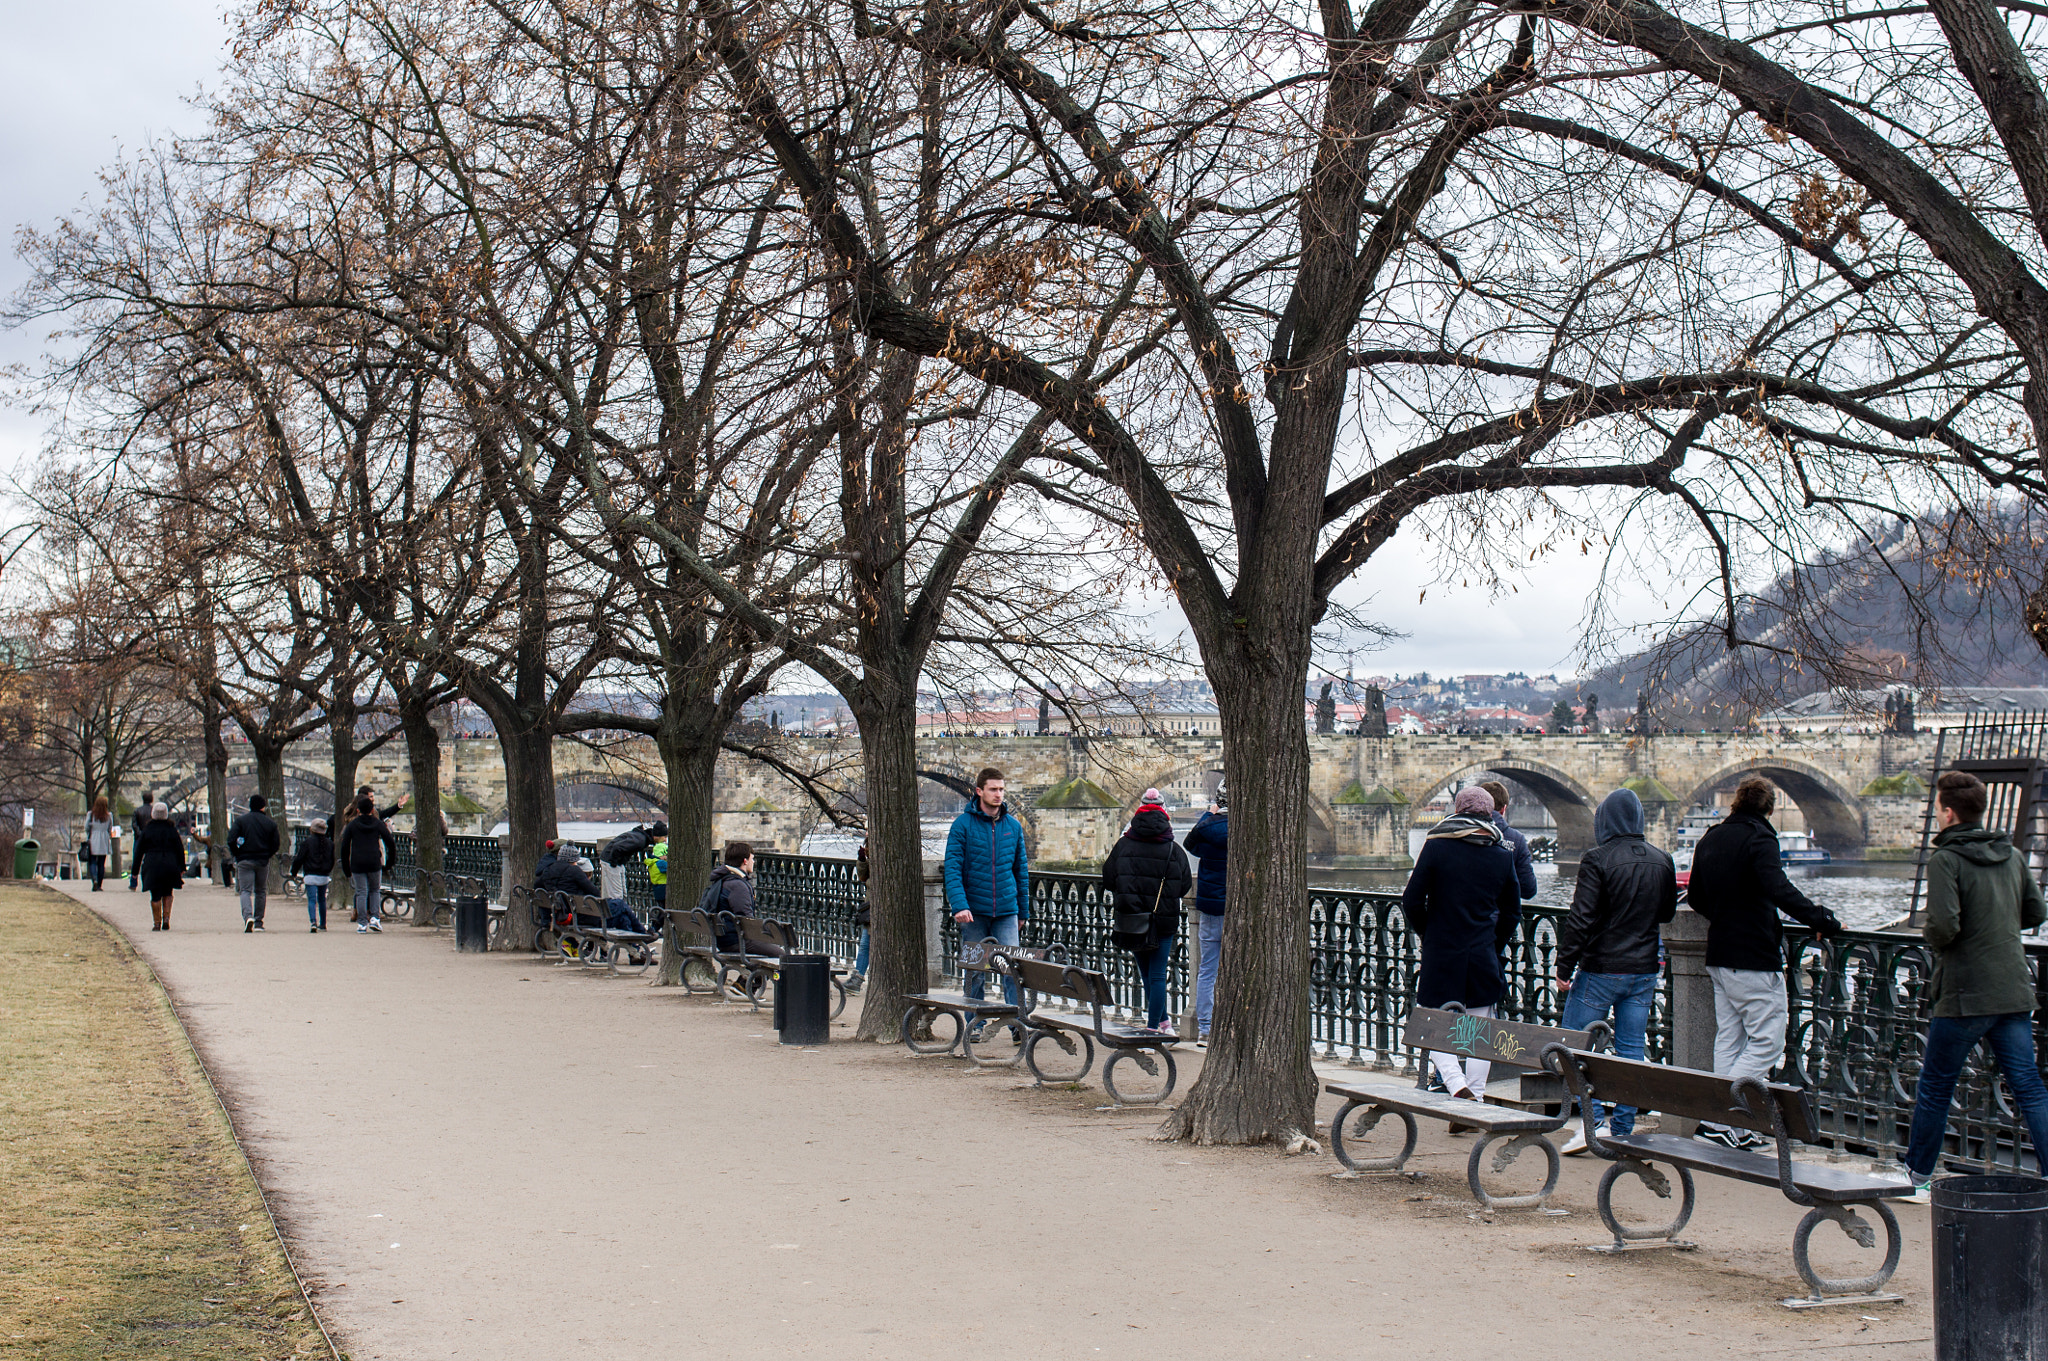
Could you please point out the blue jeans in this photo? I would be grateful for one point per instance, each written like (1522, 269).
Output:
(1152, 967)
(1626, 996)
(1949, 1041)
(860, 956)
(1004, 931)
(316, 905)
(1209, 936)
(619, 917)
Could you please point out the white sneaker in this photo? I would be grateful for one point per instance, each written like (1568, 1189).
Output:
(376, 924)
(1577, 1143)
(363, 930)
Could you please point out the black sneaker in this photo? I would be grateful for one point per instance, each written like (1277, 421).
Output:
(247, 927)
(1724, 1136)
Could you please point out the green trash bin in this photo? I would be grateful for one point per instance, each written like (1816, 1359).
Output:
(25, 857)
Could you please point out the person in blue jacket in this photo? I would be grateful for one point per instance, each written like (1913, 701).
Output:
(1209, 843)
(988, 878)
(1525, 863)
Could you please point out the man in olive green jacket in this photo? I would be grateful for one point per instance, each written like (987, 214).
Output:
(1980, 896)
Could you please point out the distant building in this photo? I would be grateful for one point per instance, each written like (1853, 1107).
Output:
(1840, 710)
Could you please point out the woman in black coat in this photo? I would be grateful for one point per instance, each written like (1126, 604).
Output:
(1148, 875)
(160, 864)
(1463, 900)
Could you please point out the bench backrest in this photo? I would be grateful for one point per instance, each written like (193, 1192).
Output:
(989, 956)
(1051, 978)
(587, 911)
(762, 931)
(1518, 1044)
(1691, 1094)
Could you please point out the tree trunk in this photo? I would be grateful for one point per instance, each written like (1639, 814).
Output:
(530, 810)
(690, 756)
(270, 784)
(216, 790)
(423, 754)
(1256, 1084)
(896, 955)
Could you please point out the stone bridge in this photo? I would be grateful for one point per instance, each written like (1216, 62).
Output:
(1074, 793)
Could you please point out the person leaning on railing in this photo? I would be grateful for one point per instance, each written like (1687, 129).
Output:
(1980, 896)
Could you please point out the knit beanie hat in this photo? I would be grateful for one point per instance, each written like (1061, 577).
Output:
(1152, 796)
(1473, 802)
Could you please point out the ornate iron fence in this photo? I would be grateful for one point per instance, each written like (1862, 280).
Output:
(1854, 1038)
(478, 857)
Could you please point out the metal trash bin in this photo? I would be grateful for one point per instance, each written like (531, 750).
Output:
(472, 924)
(803, 999)
(1989, 1238)
(25, 857)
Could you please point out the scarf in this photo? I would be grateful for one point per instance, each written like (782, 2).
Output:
(1464, 828)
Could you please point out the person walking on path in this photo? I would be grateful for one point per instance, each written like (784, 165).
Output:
(141, 819)
(1525, 863)
(1738, 884)
(252, 840)
(1609, 950)
(160, 864)
(1462, 900)
(1147, 876)
(313, 862)
(364, 852)
(1209, 842)
(988, 879)
(1980, 896)
(99, 841)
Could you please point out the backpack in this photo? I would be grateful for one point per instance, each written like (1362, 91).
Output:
(713, 901)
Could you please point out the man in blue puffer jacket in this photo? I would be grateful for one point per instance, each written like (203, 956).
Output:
(988, 878)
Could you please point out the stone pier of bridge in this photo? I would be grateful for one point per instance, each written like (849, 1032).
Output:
(1862, 795)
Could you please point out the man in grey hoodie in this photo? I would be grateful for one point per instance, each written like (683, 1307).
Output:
(1980, 896)
(1608, 948)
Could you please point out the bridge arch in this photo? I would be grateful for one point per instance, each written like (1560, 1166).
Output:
(1834, 816)
(237, 771)
(1571, 805)
(640, 787)
(961, 782)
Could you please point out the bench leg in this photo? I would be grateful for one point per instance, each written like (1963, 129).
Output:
(1626, 1237)
(1371, 1117)
(1513, 1148)
(1146, 1093)
(1073, 1044)
(1857, 1290)
(698, 975)
(838, 998)
(979, 1048)
(919, 1023)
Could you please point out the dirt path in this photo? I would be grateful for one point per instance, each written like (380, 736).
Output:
(493, 1157)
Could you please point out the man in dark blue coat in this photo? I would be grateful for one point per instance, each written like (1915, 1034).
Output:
(1209, 843)
(1462, 900)
(1525, 863)
(988, 876)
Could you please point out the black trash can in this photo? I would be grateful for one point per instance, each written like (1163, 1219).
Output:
(472, 924)
(1990, 1235)
(803, 999)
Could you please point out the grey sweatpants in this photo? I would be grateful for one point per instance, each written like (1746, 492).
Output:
(369, 895)
(252, 882)
(1749, 1021)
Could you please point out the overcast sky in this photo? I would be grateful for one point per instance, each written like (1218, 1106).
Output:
(84, 81)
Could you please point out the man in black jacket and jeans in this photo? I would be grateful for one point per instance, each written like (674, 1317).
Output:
(1739, 886)
(252, 840)
(1626, 889)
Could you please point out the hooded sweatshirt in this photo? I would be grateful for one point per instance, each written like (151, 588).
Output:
(1980, 896)
(1626, 889)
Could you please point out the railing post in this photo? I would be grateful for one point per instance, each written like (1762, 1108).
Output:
(934, 921)
(1692, 1004)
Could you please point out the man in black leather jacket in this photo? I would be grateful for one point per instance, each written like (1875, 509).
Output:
(1626, 889)
(1739, 885)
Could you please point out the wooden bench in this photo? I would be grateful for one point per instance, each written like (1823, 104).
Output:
(1781, 1112)
(970, 1015)
(620, 951)
(1513, 1045)
(393, 904)
(1147, 1050)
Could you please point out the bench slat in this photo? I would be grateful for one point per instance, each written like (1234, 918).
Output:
(1692, 1094)
(1816, 1179)
(1518, 1044)
(1439, 1106)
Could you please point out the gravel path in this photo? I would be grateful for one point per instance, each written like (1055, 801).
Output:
(497, 1158)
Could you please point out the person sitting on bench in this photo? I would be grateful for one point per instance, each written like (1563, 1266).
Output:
(1463, 900)
(732, 890)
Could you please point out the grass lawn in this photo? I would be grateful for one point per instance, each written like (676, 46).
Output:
(130, 1224)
